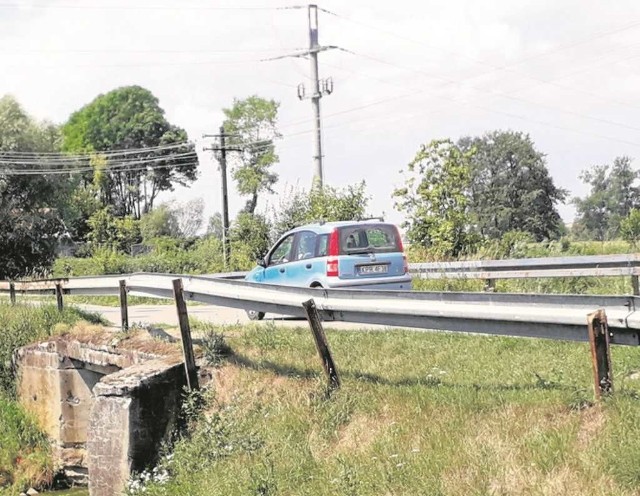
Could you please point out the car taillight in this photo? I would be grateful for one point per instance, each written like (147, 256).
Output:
(334, 251)
(399, 240)
(405, 264)
(332, 268)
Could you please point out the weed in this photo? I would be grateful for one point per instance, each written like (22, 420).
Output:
(214, 348)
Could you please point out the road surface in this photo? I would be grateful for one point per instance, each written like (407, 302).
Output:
(166, 314)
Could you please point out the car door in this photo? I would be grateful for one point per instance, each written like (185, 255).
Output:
(304, 263)
(278, 261)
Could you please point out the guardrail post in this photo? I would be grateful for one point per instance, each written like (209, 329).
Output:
(185, 331)
(59, 300)
(12, 293)
(322, 345)
(124, 309)
(490, 285)
(600, 353)
(635, 285)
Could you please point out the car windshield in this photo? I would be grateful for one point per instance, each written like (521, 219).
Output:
(369, 238)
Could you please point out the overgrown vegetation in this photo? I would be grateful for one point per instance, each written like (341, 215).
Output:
(24, 450)
(480, 415)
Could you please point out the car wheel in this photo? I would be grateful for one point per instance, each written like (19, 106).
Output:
(255, 315)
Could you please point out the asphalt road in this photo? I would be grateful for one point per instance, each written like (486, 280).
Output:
(166, 314)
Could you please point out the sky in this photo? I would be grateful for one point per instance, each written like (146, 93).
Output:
(564, 71)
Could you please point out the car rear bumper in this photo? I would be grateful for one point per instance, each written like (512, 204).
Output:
(402, 283)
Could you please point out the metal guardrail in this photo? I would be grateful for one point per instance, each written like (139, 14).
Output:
(561, 317)
(600, 320)
(596, 265)
(520, 268)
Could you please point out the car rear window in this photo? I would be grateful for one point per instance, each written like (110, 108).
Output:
(369, 238)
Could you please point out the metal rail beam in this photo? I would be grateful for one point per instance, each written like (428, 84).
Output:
(526, 315)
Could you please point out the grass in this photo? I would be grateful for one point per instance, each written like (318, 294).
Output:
(24, 450)
(104, 301)
(557, 285)
(418, 413)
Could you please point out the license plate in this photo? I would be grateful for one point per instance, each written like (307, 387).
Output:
(373, 269)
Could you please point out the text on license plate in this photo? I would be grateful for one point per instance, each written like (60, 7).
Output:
(373, 269)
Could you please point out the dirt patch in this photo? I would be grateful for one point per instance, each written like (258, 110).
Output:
(591, 423)
(359, 434)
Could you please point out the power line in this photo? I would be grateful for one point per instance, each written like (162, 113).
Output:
(141, 161)
(107, 153)
(501, 94)
(144, 8)
(509, 67)
(588, 39)
(49, 172)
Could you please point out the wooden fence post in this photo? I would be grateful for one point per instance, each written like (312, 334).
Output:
(322, 345)
(600, 353)
(59, 299)
(12, 293)
(124, 309)
(635, 286)
(185, 331)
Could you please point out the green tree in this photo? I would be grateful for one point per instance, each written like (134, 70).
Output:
(435, 199)
(249, 237)
(30, 205)
(123, 119)
(115, 233)
(511, 188)
(328, 204)
(614, 193)
(252, 125)
(160, 222)
(630, 227)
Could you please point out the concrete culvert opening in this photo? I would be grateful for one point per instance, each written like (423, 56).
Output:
(105, 409)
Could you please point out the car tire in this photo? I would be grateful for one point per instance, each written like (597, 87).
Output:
(255, 315)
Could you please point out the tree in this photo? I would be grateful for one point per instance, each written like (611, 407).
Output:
(630, 227)
(249, 237)
(436, 200)
(328, 204)
(30, 205)
(511, 188)
(614, 194)
(215, 227)
(114, 233)
(160, 222)
(189, 216)
(124, 119)
(252, 125)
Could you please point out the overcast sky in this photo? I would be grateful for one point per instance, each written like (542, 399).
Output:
(566, 72)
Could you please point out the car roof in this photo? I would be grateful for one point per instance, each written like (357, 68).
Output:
(327, 227)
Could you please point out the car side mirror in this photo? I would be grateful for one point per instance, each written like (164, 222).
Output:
(261, 262)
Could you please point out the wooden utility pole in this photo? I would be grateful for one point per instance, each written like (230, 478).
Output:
(222, 160)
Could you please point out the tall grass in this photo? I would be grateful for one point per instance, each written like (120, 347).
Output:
(418, 413)
(24, 450)
(23, 324)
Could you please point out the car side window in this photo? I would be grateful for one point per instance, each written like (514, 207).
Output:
(306, 245)
(282, 253)
(322, 245)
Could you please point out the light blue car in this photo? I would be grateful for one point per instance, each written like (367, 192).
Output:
(353, 255)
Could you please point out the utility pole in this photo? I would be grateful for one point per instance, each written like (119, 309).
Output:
(320, 87)
(222, 160)
(315, 97)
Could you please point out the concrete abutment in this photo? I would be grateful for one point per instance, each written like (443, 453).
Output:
(106, 410)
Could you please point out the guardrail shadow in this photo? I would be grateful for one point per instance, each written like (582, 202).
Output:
(293, 371)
